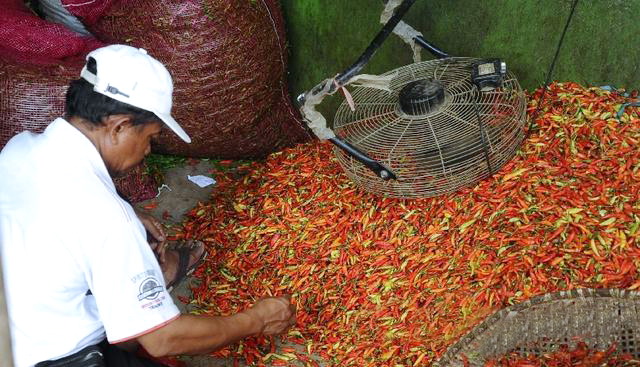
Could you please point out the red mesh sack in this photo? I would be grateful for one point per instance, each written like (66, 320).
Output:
(38, 59)
(137, 186)
(228, 61)
(31, 96)
(88, 11)
(24, 37)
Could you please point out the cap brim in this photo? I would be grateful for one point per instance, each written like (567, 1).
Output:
(174, 126)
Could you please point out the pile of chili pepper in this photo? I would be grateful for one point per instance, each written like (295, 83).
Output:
(581, 355)
(390, 282)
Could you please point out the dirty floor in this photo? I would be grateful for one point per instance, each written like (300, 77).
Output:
(176, 197)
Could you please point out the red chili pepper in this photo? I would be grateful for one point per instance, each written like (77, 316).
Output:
(380, 281)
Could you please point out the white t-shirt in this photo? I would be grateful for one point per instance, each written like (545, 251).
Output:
(63, 231)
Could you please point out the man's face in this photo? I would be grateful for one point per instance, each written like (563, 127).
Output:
(133, 143)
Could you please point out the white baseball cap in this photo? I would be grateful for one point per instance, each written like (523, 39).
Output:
(130, 75)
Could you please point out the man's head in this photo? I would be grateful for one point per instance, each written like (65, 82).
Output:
(120, 102)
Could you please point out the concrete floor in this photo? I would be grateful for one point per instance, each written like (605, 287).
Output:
(176, 198)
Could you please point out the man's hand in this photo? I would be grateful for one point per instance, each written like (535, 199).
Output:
(275, 314)
(198, 334)
(155, 229)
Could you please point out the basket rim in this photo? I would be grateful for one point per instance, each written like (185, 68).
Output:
(576, 293)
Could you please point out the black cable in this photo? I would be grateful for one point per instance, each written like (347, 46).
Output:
(433, 49)
(553, 65)
(485, 148)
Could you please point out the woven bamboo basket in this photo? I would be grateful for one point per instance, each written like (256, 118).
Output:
(597, 317)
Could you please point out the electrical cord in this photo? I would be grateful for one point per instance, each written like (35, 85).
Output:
(551, 67)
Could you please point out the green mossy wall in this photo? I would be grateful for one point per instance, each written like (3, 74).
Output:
(601, 47)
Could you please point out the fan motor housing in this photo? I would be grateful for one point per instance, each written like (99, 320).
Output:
(420, 97)
(431, 128)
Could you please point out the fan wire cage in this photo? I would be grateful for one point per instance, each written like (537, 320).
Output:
(466, 137)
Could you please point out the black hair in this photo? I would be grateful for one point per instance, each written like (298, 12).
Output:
(82, 101)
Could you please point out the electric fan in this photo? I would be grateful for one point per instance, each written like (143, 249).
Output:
(434, 129)
(424, 129)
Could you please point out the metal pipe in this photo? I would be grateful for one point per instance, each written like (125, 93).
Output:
(375, 166)
(386, 30)
(6, 356)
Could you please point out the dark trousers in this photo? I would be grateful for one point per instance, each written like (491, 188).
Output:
(101, 355)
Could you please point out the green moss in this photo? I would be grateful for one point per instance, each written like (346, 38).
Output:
(327, 36)
(601, 47)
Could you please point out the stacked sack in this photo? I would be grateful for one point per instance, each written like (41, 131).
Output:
(228, 61)
(38, 59)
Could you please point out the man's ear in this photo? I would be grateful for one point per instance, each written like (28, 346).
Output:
(117, 126)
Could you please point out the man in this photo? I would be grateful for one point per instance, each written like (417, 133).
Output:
(78, 269)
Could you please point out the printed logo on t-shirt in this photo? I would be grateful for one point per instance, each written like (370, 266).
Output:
(150, 289)
(145, 274)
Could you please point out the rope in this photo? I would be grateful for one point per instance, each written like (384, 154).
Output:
(551, 67)
(624, 106)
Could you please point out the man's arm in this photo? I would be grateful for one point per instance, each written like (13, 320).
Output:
(192, 334)
(156, 236)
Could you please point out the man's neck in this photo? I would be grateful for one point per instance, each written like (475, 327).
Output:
(87, 129)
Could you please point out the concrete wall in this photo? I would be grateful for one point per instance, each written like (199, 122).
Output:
(601, 47)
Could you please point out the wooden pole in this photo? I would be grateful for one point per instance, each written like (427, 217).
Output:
(6, 357)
